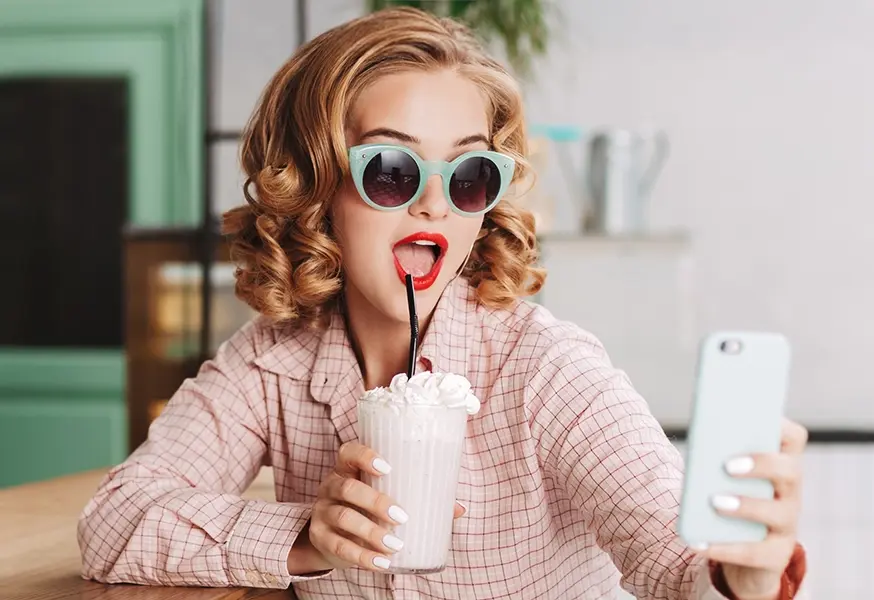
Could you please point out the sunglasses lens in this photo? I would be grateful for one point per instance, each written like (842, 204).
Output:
(391, 178)
(475, 184)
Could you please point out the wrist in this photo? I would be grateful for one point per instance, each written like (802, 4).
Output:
(303, 558)
(761, 587)
(775, 595)
(736, 582)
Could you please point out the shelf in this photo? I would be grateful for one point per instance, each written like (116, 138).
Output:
(657, 242)
(135, 233)
(221, 274)
(654, 238)
(166, 315)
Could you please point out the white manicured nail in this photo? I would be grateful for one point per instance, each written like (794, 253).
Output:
(381, 466)
(398, 515)
(461, 505)
(392, 542)
(728, 503)
(739, 466)
(381, 562)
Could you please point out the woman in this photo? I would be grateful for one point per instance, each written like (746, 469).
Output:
(567, 479)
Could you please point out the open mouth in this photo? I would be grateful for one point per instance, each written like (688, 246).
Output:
(420, 255)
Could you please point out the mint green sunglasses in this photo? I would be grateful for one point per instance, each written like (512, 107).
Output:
(391, 177)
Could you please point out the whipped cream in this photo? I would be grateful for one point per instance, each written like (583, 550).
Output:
(426, 389)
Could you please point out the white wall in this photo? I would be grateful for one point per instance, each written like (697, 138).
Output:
(768, 107)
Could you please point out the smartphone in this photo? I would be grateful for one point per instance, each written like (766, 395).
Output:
(740, 394)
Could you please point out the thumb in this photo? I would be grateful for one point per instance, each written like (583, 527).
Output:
(460, 509)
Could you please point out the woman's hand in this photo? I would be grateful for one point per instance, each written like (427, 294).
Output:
(754, 571)
(351, 522)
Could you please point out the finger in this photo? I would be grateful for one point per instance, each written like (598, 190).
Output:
(355, 457)
(349, 521)
(459, 511)
(333, 544)
(360, 495)
(780, 516)
(773, 554)
(783, 470)
(793, 437)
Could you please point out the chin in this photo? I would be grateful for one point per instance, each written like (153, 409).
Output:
(397, 310)
(395, 307)
(387, 295)
(426, 300)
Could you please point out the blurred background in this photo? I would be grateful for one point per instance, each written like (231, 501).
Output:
(701, 166)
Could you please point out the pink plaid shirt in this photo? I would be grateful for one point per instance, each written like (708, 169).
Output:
(567, 477)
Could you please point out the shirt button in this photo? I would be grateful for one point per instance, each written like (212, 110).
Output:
(269, 578)
(252, 576)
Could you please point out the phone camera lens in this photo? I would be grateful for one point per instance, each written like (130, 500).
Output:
(731, 346)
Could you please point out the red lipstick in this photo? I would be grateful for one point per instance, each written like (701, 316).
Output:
(422, 282)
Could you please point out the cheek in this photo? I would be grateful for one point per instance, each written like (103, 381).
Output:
(465, 232)
(344, 215)
(362, 232)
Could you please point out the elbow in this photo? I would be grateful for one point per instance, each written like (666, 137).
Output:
(111, 537)
(104, 530)
(95, 549)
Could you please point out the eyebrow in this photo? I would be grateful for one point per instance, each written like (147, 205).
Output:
(410, 139)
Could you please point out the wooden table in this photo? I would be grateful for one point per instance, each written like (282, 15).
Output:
(39, 556)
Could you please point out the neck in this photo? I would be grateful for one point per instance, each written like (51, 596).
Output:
(381, 344)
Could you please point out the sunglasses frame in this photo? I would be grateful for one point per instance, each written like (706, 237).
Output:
(360, 156)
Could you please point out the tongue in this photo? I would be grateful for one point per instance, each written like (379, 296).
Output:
(415, 259)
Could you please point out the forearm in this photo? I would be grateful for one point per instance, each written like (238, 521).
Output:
(155, 531)
(610, 455)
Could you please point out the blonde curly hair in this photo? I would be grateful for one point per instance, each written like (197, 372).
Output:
(295, 158)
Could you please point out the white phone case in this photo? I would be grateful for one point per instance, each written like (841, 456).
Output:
(739, 401)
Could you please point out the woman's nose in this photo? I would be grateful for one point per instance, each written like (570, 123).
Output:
(432, 203)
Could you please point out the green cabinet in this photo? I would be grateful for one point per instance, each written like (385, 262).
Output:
(60, 412)
(62, 396)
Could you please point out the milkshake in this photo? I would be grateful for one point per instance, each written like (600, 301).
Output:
(418, 426)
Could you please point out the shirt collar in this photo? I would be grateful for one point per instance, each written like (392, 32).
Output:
(327, 360)
(335, 371)
(292, 354)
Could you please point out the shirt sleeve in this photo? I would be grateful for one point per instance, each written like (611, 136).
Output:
(598, 438)
(172, 514)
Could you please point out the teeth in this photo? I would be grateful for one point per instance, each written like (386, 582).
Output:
(424, 243)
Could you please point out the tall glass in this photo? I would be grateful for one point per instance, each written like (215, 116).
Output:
(423, 444)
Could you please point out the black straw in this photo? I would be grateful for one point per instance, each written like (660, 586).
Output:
(414, 325)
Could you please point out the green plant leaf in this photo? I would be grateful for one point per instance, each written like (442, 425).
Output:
(519, 25)
(375, 5)
(458, 8)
